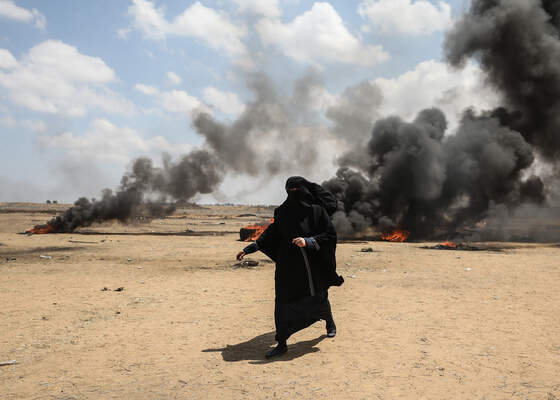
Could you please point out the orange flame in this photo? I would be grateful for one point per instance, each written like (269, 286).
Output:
(447, 243)
(41, 229)
(258, 230)
(398, 235)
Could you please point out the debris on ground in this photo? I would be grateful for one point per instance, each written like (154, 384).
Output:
(120, 289)
(367, 250)
(3, 363)
(246, 263)
(46, 257)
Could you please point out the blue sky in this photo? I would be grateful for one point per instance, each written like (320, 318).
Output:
(85, 87)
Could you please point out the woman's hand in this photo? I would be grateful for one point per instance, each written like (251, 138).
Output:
(240, 255)
(299, 242)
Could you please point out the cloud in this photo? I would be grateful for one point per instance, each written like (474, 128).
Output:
(319, 35)
(265, 8)
(7, 60)
(226, 102)
(406, 16)
(174, 101)
(9, 10)
(197, 21)
(35, 126)
(173, 78)
(7, 120)
(432, 83)
(105, 141)
(54, 77)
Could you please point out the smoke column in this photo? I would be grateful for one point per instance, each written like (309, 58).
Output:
(276, 133)
(196, 172)
(413, 176)
(517, 44)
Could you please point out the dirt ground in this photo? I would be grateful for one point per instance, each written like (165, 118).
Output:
(412, 323)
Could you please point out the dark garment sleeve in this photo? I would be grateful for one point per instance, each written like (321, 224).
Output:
(311, 243)
(253, 247)
(268, 241)
(327, 233)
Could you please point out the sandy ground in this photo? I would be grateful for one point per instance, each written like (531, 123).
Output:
(412, 323)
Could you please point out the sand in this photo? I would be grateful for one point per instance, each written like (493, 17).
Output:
(412, 323)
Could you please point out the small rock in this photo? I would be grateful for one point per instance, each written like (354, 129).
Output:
(118, 312)
(129, 259)
(246, 263)
(104, 289)
(367, 250)
(120, 289)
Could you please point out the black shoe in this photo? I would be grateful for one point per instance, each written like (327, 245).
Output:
(277, 351)
(331, 330)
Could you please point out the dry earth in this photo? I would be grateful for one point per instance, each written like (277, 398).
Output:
(412, 323)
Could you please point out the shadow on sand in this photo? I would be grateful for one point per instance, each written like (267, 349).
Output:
(254, 349)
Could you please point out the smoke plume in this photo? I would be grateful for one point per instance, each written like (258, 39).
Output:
(517, 44)
(196, 172)
(276, 133)
(415, 176)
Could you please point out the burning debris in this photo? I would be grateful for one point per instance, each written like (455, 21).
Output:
(397, 235)
(250, 233)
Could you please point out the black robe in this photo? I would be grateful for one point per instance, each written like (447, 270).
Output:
(299, 302)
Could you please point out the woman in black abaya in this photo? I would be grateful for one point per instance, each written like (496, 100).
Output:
(302, 243)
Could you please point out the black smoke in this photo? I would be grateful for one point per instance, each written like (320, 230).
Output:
(146, 190)
(517, 44)
(419, 177)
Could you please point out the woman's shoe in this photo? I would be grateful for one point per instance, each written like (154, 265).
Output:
(277, 351)
(331, 329)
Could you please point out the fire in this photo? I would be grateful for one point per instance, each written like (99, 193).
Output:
(41, 229)
(447, 243)
(398, 235)
(257, 230)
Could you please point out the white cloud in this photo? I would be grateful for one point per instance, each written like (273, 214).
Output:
(54, 77)
(35, 126)
(105, 141)
(146, 89)
(174, 101)
(197, 21)
(173, 78)
(226, 102)
(406, 16)
(265, 8)
(7, 60)
(8, 9)
(319, 35)
(178, 101)
(432, 83)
